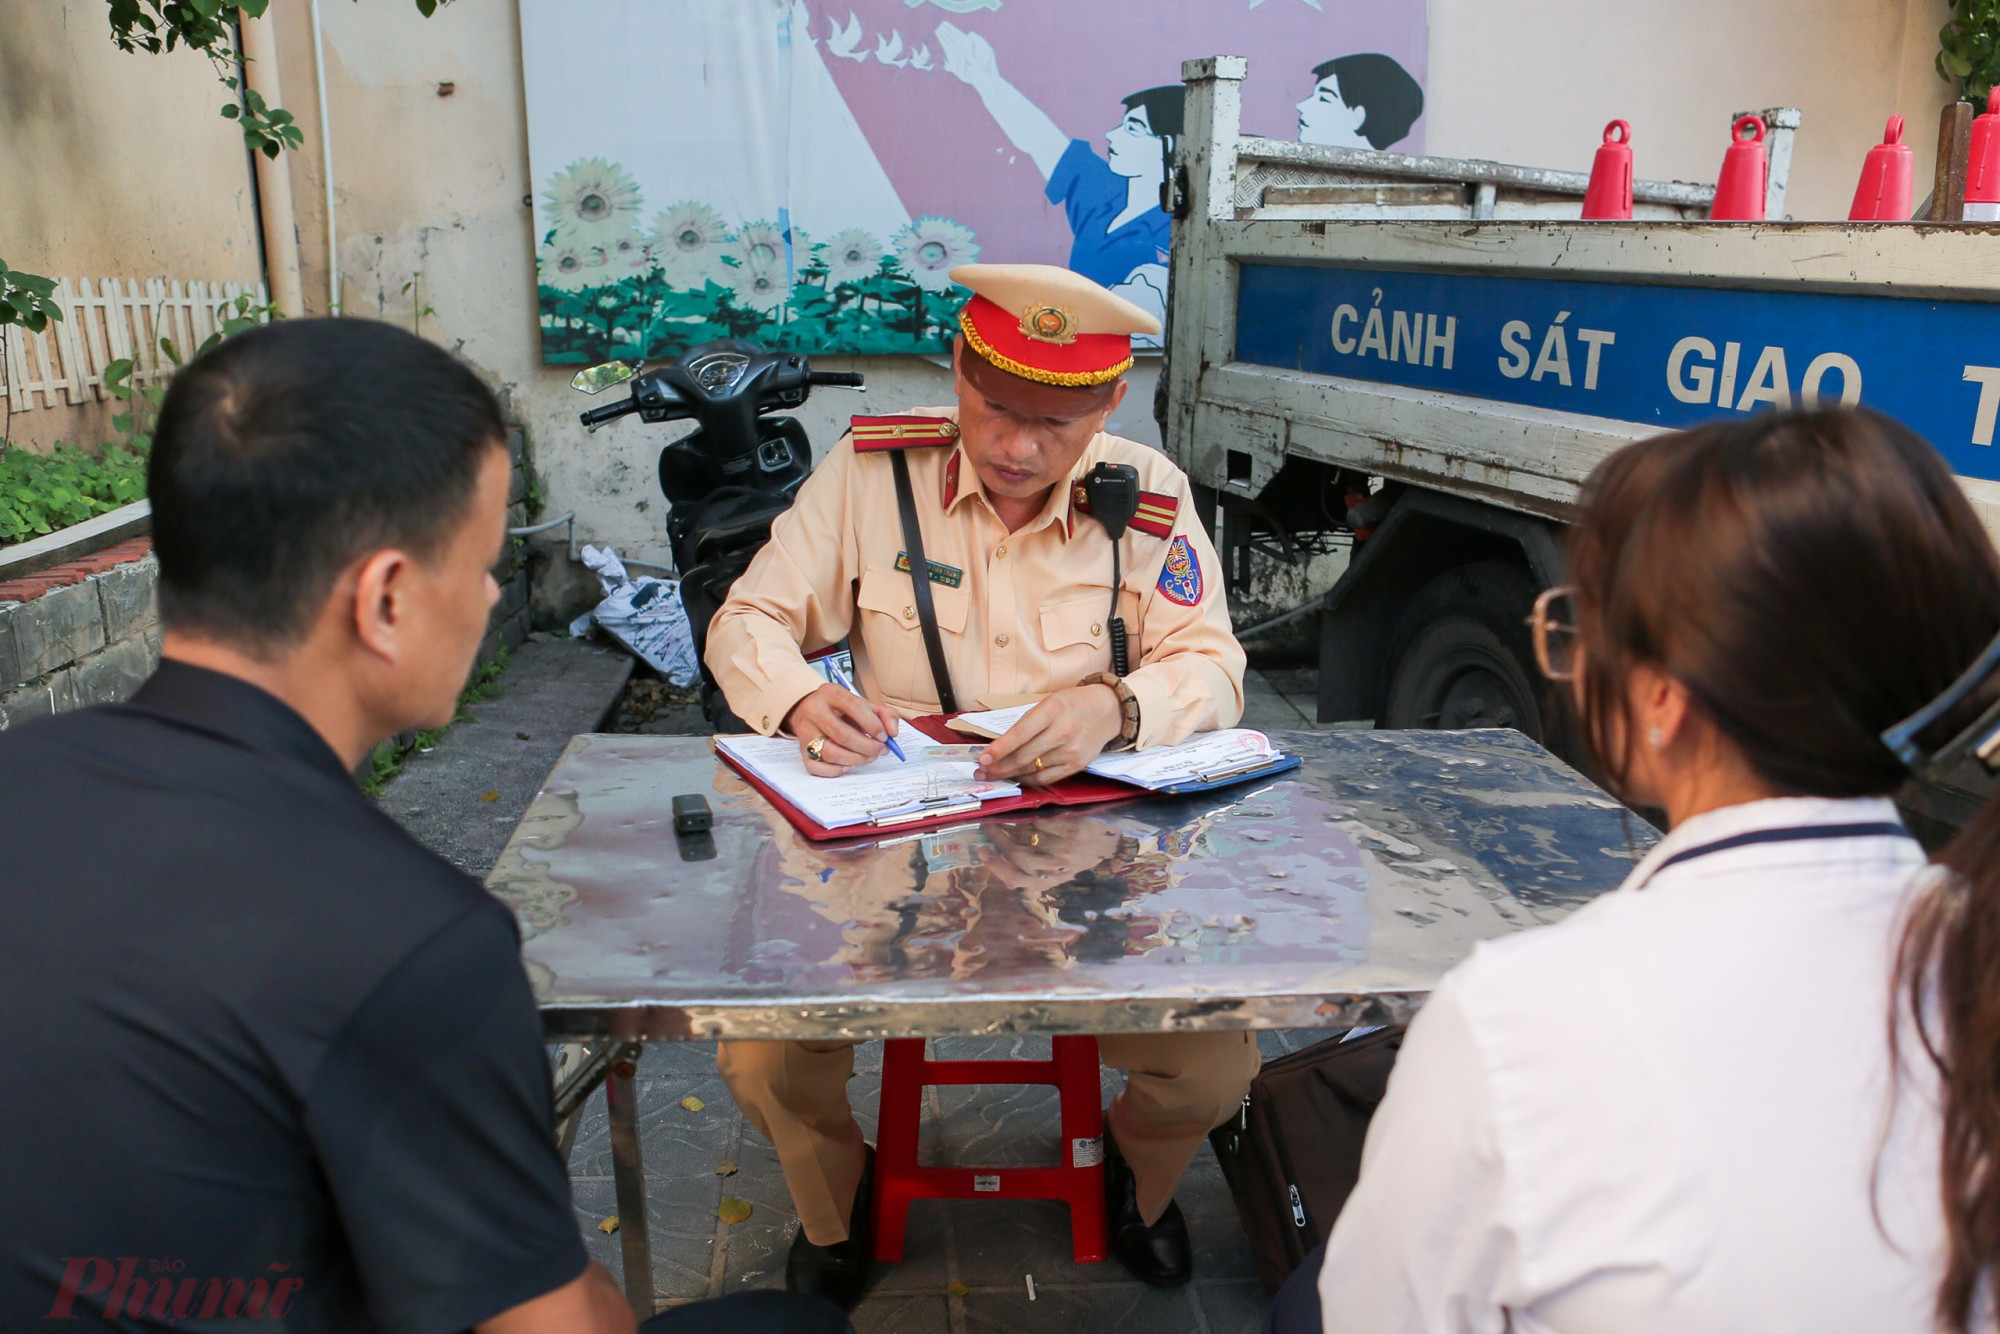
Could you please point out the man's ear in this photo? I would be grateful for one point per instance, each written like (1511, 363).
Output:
(1118, 389)
(380, 611)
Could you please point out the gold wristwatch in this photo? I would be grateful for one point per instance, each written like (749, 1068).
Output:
(1128, 708)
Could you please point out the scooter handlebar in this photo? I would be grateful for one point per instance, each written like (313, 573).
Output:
(596, 417)
(837, 379)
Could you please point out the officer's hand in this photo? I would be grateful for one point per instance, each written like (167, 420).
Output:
(853, 728)
(1064, 732)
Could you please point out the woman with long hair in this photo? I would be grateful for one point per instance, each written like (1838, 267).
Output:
(1676, 1110)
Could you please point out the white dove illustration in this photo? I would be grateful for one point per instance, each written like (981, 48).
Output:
(889, 50)
(845, 41)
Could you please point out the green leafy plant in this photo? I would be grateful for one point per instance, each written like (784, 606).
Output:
(266, 129)
(1969, 49)
(40, 493)
(143, 401)
(419, 307)
(26, 299)
(158, 26)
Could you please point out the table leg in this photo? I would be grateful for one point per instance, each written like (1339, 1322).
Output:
(628, 1176)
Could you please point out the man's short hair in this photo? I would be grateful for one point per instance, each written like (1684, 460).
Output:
(286, 453)
(1375, 81)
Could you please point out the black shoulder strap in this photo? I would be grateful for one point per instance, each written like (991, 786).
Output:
(920, 579)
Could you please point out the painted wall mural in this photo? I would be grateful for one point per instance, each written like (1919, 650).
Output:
(805, 173)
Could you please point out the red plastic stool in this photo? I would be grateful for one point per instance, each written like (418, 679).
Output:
(899, 1179)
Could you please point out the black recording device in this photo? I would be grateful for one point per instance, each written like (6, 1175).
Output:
(1112, 489)
(691, 814)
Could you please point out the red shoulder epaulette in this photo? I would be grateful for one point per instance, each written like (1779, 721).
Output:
(905, 432)
(1155, 515)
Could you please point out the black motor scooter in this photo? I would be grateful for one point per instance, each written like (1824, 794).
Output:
(733, 475)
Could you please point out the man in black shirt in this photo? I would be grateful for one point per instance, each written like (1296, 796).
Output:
(264, 1057)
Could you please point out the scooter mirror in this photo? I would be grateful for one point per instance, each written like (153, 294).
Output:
(596, 379)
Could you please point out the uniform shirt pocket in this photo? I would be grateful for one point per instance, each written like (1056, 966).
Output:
(892, 637)
(1075, 636)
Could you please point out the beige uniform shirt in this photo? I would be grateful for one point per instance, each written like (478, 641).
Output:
(1020, 613)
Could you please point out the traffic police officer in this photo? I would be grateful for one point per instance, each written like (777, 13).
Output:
(1019, 577)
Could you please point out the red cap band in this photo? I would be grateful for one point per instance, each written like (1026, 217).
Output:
(1072, 360)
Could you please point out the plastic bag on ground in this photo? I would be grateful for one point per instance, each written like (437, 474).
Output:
(643, 614)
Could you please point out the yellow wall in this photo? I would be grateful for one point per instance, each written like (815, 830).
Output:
(113, 165)
(1534, 81)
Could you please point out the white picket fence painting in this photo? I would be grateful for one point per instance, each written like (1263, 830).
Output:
(115, 320)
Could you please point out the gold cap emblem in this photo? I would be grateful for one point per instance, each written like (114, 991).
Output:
(1049, 324)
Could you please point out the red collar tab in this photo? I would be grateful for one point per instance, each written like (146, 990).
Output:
(951, 478)
(905, 432)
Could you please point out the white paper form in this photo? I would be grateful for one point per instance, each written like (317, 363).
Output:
(1203, 755)
(882, 784)
(996, 721)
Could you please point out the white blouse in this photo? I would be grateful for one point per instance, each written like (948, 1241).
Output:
(1665, 1114)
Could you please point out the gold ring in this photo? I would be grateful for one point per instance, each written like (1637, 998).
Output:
(1038, 761)
(814, 747)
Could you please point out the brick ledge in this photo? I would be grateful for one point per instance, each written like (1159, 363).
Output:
(29, 587)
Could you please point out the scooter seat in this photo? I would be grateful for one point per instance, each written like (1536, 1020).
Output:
(727, 521)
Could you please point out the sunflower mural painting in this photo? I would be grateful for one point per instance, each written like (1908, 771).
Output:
(612, 288)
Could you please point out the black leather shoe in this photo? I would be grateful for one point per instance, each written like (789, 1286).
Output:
(1160, 1255)
(838, 1273)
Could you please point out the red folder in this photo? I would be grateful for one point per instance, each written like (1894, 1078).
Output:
(1084, 789)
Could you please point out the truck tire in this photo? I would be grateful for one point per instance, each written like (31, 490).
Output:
(1462, 656)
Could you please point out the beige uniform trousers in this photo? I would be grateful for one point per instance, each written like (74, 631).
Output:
(1180, 1086)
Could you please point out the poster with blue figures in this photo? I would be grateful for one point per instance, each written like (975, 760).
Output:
(1670, 356)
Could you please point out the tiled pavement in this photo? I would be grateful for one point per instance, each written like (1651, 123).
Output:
(967, 1262)
(1281, 700)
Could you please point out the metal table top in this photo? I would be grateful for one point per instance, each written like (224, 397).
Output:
(1334, 895)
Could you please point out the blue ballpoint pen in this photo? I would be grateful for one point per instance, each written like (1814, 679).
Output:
(839, 678)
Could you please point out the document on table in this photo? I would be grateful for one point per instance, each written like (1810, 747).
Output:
(884, 787)
(990, 723)
(1203, 757)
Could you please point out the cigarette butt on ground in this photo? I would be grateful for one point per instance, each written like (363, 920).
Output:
(1031, 1287)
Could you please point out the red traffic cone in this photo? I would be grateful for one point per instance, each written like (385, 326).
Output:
(1609, 195)
(1884, 192)
(1739, 191)
(1982, 165)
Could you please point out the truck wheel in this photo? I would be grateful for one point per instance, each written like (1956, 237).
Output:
(1462, 657)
